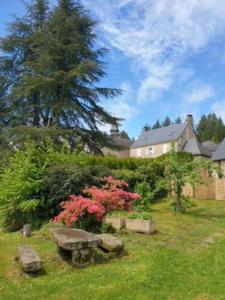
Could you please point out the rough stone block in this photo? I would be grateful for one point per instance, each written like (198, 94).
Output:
(29, 259)
(110, 243)
(116, 222)
(139, 225)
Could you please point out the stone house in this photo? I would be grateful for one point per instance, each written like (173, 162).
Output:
(219, 156)
(156, 142)
(121, 141)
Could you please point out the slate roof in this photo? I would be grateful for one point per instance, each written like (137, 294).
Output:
(210, 146)
(220, 152)
(196, 148)
(160, 135)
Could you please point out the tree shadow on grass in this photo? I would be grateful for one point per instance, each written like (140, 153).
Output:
(204, 213)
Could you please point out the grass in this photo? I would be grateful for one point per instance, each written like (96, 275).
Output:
(184, 260)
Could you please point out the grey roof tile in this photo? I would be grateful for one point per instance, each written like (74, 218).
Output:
(210, 146)
(196, 148)
(160, 135)
(220, 152)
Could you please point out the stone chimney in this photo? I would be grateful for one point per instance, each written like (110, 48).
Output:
(189, 119)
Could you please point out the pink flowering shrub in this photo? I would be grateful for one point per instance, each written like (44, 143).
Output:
(88, 213)
(80, 211)
(112, 195)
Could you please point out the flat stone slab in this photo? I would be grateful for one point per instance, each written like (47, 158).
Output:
(29, 259)
(110, 243)
(74, 239)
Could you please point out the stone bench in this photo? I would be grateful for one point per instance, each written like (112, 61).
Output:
(110, 244)
(29, 259)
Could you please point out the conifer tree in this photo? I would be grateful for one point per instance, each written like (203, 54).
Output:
(157, 125)
(178, 120)
(166, 122)
(53, 69)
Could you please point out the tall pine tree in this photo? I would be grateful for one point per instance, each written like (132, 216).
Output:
(53, 69)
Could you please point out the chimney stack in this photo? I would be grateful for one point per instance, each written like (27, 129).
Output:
(189, 119)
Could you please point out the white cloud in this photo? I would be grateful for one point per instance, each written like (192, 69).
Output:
(158, 35)
(199, 94)
(219, 109)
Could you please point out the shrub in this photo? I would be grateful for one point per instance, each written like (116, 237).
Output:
(143, 189)
(62, 180)
(113, 196)
(87, 213)
(81, 212)
(21, 187)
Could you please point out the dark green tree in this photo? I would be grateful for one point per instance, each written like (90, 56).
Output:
(166, 122)
(53, 69)
(157, 125)
(178, 120)
(210, 127)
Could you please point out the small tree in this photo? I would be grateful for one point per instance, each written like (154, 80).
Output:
(178, 172)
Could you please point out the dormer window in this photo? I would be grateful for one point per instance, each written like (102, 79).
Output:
(150, 151)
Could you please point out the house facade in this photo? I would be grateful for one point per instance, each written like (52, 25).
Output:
(121, 142)
(156, 142)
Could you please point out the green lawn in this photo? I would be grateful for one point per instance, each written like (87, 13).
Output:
(184, 260)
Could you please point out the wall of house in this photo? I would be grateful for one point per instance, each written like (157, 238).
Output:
(158, 150)
(188, 134)
(117, 153)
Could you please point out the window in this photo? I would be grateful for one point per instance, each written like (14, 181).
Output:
(165, 148)
(150, 151)
(138, 152)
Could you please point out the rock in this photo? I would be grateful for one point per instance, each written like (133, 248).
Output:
(26, 231)
(29, 259)
(76, 245)
(110, 243)
(139, 225)
(116, 222)
(73, 239)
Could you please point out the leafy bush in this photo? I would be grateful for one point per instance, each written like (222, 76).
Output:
(143, 189)
(21, 187)
(112, 195)
(87, 213)
(62, 180)
(81, 212)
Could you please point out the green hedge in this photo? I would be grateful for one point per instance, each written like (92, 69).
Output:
(36, 180)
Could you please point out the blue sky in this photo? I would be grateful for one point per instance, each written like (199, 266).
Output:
(167, 56)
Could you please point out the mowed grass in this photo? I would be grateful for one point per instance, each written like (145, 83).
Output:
(184, 260)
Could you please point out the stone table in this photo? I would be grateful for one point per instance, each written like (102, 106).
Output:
(76, 244)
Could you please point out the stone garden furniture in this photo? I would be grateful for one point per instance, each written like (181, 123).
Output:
(26, 230)
(29, 259)
(117, 223)
(76, 244)
(111, 244)
(139, 225)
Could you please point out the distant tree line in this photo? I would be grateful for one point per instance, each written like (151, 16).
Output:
(210, 127)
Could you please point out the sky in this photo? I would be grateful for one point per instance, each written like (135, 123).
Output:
(168, 56)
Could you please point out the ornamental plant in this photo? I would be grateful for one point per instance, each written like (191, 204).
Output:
(112, 195)
(87, 213)
(80, 211)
